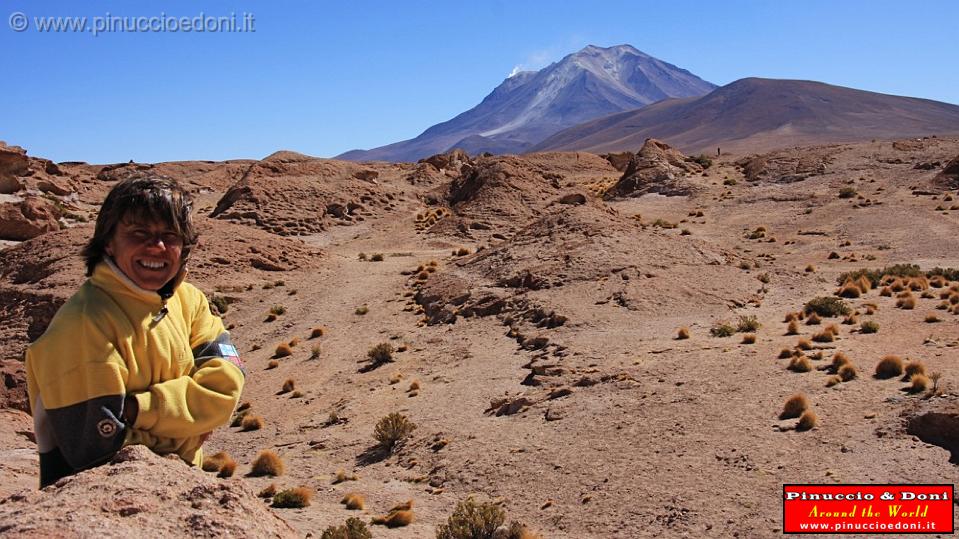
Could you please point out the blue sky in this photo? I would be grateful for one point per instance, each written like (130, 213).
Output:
(322, 77)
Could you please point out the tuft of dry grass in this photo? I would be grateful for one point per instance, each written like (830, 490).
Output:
(918, 383)
(396, 519)
(793, 328)
(380, 354)
(749, 338)
(354, 501)
(833, 380)
(283, 350)
(913, 368)
(683, 333)
(395, 378)
(267, 463)
(361, 310)
(931, 318)
(414, 386)
(824, 336)
(251, 422)
(847, 372)
(885, 291)
(889, 366)
(288, 385)
(293, 498)
(272, 364)
(810, 269)
(807, 421)
(317, 332)
(794, 406)
(215, 462)
(315, 352)
(245, 406)
(850, 290)
(790, 317)
(268, 492)
(906, 302)
(800, 364)
(341, 476)
(804, 344)
(813, 319)
(294, 341)
(228, 469)
(838, 360)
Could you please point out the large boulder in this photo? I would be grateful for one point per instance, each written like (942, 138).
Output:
(656, 168)
(28, 218)
(948, 178)
(141, 494)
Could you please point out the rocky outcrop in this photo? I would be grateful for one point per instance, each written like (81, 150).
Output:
(657, 168)
(141, 494)
(28, 218)
(13, 162)
(788, 166)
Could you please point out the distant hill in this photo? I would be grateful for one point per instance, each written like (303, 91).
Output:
(532, 105)
(756, 114)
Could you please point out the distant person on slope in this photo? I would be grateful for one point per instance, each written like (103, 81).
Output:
(135, 356)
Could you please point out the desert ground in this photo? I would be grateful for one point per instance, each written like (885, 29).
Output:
(533, 306)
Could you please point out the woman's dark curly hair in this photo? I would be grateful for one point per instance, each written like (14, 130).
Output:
(142, 199)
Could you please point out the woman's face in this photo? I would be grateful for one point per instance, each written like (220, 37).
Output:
(148, 253)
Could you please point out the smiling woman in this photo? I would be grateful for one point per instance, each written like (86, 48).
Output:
(135, 356)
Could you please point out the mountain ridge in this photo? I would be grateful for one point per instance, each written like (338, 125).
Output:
(529, 106)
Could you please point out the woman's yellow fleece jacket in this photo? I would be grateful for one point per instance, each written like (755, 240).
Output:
(112, 339)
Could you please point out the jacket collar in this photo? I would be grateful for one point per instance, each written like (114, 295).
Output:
(110, 278)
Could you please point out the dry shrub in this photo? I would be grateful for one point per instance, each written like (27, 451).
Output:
(317, 332)
(800, 364)
(267, 463)
(471, 520)
(683, 333)
(793, 328)
(315, 352)
(827, 306)
(918, 383)
(288, 386)
(794, 406)
(294, 498)
(380, 354)
(807, 421)
(251, 422)
(824, 336)
(889, 366)
(354, 501)
(804, 344)
(354, 528)
(913, 368)
(391, 429)
(847, 372)
(813, 320)
(749, 338)
(747, 324)
(869, 326)
(268, 492)
(283, 350)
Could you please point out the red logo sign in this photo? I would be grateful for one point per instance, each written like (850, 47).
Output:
(871, 509)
